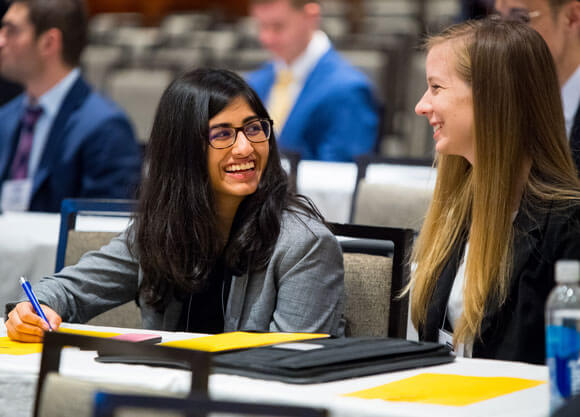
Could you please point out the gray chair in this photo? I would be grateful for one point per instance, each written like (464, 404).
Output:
(63, 396)
(73, 244)
(98, 60)
(138, 91)
(390, 205)
(181, 59)
(375, 273)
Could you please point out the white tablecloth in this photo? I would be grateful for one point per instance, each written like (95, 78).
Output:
(28, 244)
(330, 185)
(18, 375)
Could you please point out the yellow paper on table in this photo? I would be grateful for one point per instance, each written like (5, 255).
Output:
(446, 389)
(94, 333)
(240, 340)
(11, 347)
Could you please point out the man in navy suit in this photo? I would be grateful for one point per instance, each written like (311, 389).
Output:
(558, 21)
(332, 113)
(59, 138)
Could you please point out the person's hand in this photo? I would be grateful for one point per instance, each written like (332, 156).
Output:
(24, 325)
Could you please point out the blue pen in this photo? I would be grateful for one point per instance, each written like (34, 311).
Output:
(33, 300)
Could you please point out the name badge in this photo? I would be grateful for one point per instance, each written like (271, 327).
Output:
(16, 195)
(446, 338)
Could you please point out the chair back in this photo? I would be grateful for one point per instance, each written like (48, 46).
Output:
(375, 273)
(54, 392)
(73, 244)
(367, 281)
(106, 405)
(138, 90)
(391, 205)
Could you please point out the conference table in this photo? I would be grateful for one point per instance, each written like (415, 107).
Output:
(18, 376)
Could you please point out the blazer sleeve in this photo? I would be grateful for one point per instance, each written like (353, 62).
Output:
(310, 296)
(101, 280)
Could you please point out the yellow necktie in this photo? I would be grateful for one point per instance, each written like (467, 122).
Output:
(280, 99)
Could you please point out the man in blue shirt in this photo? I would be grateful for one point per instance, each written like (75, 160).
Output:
(59, 139)
(322, 107)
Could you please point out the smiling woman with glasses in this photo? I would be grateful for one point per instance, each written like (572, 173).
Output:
(218, 242)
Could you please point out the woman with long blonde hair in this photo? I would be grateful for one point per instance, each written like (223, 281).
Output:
(506, 204)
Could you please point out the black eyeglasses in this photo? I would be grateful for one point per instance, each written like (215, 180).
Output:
(256, 131)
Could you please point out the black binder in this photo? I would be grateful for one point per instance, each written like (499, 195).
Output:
(322, 360)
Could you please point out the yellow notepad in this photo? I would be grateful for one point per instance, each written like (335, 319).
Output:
(240, 340)
(446, 389)
(11, 347)
(94, 333)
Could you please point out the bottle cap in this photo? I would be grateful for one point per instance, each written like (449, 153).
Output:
(567, 271)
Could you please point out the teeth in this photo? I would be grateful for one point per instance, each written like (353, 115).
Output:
(241, 167)
(436, 128)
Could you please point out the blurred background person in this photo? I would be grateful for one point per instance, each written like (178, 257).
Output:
(59, 139)
(506, 204)
(322, 107)
(8, 90)
(558, 21)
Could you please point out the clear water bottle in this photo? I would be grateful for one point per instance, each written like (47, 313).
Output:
(563, 333)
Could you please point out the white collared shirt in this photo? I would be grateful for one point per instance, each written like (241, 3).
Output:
(51, 102)
(571, 99)
(455, 303)
(304, 64)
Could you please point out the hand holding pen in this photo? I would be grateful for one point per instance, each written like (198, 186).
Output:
(26, 324)
(28, 290)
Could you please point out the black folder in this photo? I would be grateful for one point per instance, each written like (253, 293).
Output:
(322, 360)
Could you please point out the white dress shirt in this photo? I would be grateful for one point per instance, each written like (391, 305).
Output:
(571, 99)
(455, 303)
(50, 102)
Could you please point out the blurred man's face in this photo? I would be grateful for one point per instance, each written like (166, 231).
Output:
(19, 57)
(284, 30)
(538, 15)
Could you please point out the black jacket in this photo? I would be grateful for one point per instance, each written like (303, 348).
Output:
(515, 330)
(575, 139)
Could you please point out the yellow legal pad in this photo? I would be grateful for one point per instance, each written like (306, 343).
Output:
(240, 340)
(87, 332)
(11, 347)
(446, 389)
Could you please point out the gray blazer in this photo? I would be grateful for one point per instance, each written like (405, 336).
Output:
(301, 289)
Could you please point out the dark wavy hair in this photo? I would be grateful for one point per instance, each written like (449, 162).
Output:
(175, 229)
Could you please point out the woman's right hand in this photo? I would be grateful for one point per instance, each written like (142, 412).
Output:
(24, 325)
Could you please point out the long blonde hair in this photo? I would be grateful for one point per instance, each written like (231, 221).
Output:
(517, 117)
